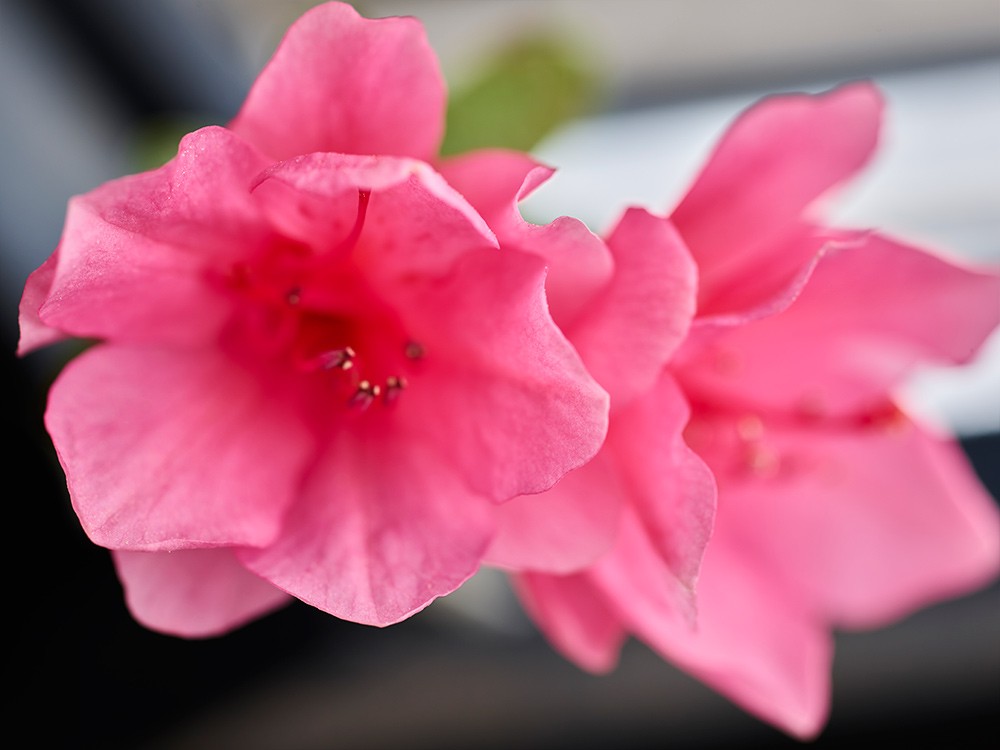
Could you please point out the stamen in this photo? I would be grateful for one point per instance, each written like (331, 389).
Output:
(393, 387)
(364, 395)
(337, 359)
(333, 359)
(414, 350)
(761, 460)
(294, 295)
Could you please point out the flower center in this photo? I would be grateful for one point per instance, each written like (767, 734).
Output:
(317, 317)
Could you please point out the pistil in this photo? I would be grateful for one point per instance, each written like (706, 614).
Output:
(347, 244)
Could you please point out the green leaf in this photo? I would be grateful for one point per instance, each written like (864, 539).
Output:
(521, 95)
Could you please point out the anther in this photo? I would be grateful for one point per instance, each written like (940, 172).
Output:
(393, 387)
(414, 350)
(294, 295)
(364, 395)
(337, 359)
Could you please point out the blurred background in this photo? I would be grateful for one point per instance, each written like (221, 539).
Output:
(636, 92)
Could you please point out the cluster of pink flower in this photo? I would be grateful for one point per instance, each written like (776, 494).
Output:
(335, 366)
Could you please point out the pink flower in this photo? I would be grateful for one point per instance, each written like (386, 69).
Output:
(626, 304)
(835, 510)
(317, 373)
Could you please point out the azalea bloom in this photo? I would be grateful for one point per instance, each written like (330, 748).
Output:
(316, 371)
(835, 509)
(626, 304)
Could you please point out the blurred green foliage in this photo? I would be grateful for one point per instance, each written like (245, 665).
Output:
(525, 91)
(156, 141)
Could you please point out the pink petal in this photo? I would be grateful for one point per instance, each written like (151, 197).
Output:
(636, 579)
(775, 161)
(867, 317)
(586, 615)
(631, 328)
(670, 488)
(501, 391)
(574, 617)
(193, 593)
(34, 333)
(340, 82)
(167, 451)
(644, 463)
(414, 224)
(640, 313)
(384, 526)
(775, 283)
(754, 642)
(579, 262)
(494, 181)
(563, 529)
(866, 522)
(137, 254)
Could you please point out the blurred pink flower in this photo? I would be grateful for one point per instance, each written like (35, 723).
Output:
(835, 510)
(317, 373)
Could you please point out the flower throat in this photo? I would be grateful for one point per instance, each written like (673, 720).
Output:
(319, 309)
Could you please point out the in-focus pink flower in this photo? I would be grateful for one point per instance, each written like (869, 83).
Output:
(835, 509)
(317, 372)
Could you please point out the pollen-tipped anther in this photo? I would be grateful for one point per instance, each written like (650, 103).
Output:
(365, 394)
(337, 359)
(393, 388)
